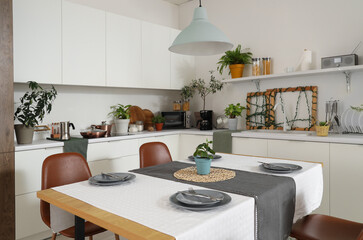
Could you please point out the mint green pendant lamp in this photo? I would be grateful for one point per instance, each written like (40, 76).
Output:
(201, 38)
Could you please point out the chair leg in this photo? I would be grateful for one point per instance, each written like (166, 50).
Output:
(90, 237)
(117, 237)
(54, 236)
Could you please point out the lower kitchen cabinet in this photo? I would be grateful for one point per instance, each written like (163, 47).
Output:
(305, 151)
(346, 181)
(122, 164)
(249, 146)
(188, 144)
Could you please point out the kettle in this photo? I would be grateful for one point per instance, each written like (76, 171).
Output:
(64, 130)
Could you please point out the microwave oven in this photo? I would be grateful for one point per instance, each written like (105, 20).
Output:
(176, 119)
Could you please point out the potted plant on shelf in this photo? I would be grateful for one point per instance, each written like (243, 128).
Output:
(186, 94)
(33, 107)
(204, 90)
(236, 60)
(203, 156)
(232, 112)
(121, 115)
(322, 129)
(159, 122)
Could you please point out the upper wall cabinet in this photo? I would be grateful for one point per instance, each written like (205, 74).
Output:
(123, 51)
(37, 41)
(182, 68)
(84, 45)
(155, 56)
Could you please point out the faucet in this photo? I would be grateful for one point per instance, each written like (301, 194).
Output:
(286, 127)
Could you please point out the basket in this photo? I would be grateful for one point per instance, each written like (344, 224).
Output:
(322, 131)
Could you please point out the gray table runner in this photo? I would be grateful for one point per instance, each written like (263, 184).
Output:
(274, 196)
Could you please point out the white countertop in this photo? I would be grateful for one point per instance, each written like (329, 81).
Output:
(293, 136)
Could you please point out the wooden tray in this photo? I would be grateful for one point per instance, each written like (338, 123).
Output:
(136, 114)
(148, 118)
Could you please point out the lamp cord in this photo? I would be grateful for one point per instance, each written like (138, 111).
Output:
(200, 3)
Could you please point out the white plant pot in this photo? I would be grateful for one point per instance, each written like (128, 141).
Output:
(232, 123)
(122, 126)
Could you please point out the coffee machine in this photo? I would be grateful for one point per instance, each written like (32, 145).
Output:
(206, 122)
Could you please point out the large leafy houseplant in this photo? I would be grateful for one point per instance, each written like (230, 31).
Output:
(121, 115)
(204, 89)
(203, 156)
(233, 111)
(34, 105)
(235, 60)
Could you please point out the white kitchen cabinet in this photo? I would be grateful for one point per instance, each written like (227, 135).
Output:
(249, 146)
(123, 51)
(84, 45)
(155, 56)
(346, 181)
(188, 144)
(305, 151)
(182, 67)
(37, 41)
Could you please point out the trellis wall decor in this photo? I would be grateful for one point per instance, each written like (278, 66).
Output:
(301, 103)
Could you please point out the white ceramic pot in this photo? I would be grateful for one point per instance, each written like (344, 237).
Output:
(232, 123)
(122, 126)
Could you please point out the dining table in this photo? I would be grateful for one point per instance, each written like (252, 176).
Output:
(262, 203)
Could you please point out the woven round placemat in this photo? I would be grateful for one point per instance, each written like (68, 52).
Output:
(215, 175)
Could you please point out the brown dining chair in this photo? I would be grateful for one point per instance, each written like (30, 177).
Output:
(323, 227)
(61, 169)
(154, 153)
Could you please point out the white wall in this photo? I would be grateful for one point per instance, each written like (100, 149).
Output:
(282, 29)
(90, 105)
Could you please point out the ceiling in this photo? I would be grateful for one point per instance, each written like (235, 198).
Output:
(178, 2)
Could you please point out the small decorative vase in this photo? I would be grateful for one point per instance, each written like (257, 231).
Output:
(159, 126)
(24, 135)
(232, 123)
(322, 131)
(122, 126)
(236, 70)
(203, 165)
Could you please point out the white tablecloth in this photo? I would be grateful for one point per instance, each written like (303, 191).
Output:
(146, 200)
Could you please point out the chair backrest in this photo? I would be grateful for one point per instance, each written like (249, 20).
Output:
(154, 153)
(61, 169)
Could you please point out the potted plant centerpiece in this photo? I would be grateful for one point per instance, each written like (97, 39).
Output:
(159, 122)
(232, 112)
(121, 115)
(236, 60)
(186, 94)
(204, 89)
(31, 111)
(203, 156)
(322, 129)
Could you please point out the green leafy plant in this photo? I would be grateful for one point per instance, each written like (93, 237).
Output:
(203, 89)
(236, 56)
(204, 151)
(234, 111)
(120, 111)
(359, 109)
(323, 124)
(158, 119)
(35, 104)
(187, 93)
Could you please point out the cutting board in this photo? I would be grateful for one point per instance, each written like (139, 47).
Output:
(136, 114)
(148, 118)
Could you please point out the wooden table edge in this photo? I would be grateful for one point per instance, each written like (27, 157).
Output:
(114, 223)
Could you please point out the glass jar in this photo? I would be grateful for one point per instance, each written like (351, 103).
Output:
(266, 65)
(177, 105)
(256, 66)
(186, 105)
(133, 128)
(140, 126)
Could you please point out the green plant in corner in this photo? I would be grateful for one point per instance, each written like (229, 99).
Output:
(234, 111)
(204, 151)
(322, 124)
(203, 90)
(35, 104)
(158, 119)
(120, 111)
(236, 56)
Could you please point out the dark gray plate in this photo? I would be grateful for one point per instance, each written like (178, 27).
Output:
(110, 182)
(226, 200)
(199, 201)
(214, 157)
(270, 167)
